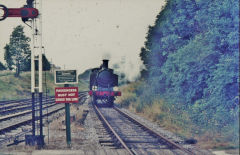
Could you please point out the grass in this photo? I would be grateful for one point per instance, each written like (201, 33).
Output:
(12, 87)
(179, 122)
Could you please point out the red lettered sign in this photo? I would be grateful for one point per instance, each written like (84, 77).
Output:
(66, 95)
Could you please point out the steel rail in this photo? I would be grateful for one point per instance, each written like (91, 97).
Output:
(20, 103)
(28, 99)
(12, 101)
(17, 103)
(112, 130)
(27, 121)
(24, 113)
(21, 108)
(14, 105)
(153, 132)
(82, 95)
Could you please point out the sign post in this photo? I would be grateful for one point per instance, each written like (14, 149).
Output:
(67, 121)
(66, 95)
(68, 124)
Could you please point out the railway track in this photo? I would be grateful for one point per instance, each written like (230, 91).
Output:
(12, 122)
(12, 101)
(17, 106)
(134, 136)
(105, 137)
(26, 111)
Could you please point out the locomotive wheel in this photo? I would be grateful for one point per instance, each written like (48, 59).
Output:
(5, 9)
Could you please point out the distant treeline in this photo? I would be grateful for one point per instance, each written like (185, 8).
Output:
(17, 53)
(191, 59)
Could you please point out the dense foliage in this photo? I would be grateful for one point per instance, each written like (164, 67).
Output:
(192, 61)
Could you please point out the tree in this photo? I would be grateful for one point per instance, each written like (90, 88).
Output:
(7, 57)
(2, 67)
(46, 64)
(17, 52)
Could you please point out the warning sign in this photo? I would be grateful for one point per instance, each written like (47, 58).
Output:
(66, 95)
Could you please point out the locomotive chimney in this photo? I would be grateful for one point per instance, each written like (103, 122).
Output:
(105, 64)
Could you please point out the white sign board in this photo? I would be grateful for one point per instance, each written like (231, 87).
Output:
(66, 77)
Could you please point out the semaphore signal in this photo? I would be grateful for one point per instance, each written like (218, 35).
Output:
(32, 12)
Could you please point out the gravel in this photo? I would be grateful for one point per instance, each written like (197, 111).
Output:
(165, 133)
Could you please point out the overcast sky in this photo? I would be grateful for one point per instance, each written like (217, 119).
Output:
(80, 33)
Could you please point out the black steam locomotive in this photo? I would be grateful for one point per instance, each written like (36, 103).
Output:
(103, 85)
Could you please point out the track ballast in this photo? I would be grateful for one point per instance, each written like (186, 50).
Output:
(135, 137)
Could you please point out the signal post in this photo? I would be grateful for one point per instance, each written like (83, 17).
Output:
(36, 54)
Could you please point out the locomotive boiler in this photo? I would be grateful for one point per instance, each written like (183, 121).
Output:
(103, 85)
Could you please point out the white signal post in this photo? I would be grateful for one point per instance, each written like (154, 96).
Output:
(33, 78)
(37, 46)
(40, 49)
(32, 61)
(37, 53)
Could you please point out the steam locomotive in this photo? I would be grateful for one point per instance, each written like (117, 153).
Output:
(103, 85)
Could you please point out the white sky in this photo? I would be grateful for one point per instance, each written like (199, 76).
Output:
(80, 33)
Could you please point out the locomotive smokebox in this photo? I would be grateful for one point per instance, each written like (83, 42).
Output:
(105, 64)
